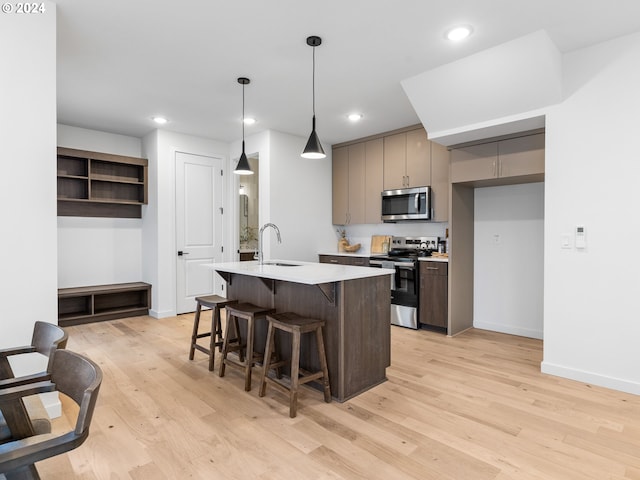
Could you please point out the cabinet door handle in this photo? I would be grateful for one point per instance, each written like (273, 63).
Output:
(407, 180)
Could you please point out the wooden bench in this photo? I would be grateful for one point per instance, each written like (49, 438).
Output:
(79, 305)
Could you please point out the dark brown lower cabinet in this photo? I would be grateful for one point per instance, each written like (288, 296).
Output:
(102, 302)
(344, 260)
(434, 292)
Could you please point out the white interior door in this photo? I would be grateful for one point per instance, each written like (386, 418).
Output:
(198, 227)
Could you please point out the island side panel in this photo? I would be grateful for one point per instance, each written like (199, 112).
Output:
(306, 300)
(367, 333)
(357, 327)
(309, 301)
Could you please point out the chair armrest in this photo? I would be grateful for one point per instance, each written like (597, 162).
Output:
(24, 380)
(6, 352)
(11, 394)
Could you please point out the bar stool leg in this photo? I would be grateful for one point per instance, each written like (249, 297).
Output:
(212, 340)
(323, 365)
(217, 328)
(267, 360)
(194, 335)
(249, 357)
(232, 321)
(295, 372)
(225, 347)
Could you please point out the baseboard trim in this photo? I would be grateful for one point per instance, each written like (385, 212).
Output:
(590, 378)
(161, 314)
(511, 330)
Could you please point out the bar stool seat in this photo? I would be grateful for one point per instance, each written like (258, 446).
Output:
(296, 325)
(215, 303)
(250, 313)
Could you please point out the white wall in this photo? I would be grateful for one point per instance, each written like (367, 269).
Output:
(300, 199)
(28, 181)
(509, 259)
(592, 172)
(98, 251)
(97, 141)
(295, 194)
(521, 75)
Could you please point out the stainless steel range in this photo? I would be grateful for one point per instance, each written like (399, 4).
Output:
(405, 286)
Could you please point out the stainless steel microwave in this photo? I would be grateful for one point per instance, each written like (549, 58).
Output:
(406, 204)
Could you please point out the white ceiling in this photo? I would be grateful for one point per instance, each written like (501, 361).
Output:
(121, 62)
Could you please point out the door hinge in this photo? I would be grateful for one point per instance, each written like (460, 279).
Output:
(221, 211)
(222, 249)
(222, 173)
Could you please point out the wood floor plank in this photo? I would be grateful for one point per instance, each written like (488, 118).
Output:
(472, 407)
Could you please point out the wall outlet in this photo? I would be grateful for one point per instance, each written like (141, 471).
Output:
(496, 239)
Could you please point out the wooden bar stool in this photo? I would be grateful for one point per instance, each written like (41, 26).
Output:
(250, 313)
(296, 325)
(215, 303)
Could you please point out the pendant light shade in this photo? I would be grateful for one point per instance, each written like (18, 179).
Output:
(243, 167)
(313, 149)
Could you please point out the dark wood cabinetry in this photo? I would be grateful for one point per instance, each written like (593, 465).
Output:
(102, 302)
(94, 184)
(434, 294)
(344, 260)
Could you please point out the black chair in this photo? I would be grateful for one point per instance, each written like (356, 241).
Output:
(73, 375)
(46, 339)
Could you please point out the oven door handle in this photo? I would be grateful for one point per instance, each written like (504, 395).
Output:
(405, 267)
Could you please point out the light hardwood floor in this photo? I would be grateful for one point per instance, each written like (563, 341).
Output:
(471, 407)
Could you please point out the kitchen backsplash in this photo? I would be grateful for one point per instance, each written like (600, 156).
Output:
(362, 233)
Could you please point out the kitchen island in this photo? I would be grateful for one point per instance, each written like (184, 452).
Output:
(353, 301)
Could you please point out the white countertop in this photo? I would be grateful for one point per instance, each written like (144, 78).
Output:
(347, 254)
(433, 259)
(303, 272)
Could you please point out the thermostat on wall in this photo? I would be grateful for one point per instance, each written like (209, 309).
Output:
(581, 240)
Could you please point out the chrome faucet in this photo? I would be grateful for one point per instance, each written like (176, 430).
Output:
(260, 252)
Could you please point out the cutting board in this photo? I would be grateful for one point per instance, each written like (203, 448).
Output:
(378, 242)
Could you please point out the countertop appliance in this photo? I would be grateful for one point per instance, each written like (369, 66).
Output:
(406, 204)
(405, 286)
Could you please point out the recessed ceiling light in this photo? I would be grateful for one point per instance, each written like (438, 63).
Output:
(354, 117)
(249, 121)
(459, 33)
(159, 120)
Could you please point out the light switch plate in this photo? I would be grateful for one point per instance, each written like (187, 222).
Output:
(565, 240)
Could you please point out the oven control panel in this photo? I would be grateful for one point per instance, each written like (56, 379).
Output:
(415, 243)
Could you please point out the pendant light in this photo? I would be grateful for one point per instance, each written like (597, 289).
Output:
(243, 167)
(314, 147)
